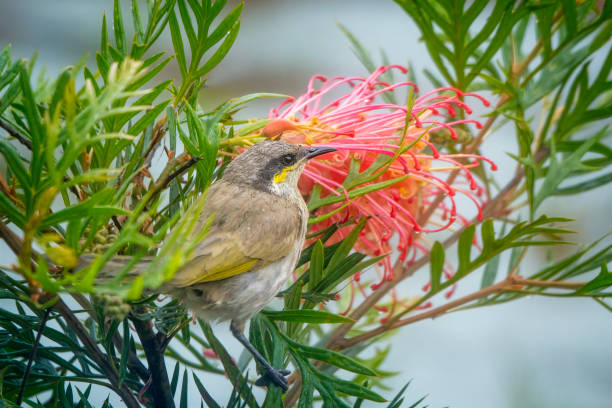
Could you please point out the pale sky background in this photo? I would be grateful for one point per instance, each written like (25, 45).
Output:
(536, 352)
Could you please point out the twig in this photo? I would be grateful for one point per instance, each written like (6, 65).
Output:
(26, 374)
(159, 130)
(432, 313)
(181, 169)
(116, 222)
(11, 239)
(511, 284)
(518, 280)
(152, 344)
(183, 160)
(73, 189)
(7, 190)
(11, 131)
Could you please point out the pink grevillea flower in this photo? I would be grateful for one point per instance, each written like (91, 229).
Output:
(350, 114)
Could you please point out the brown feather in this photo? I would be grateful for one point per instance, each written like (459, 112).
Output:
(241, 236)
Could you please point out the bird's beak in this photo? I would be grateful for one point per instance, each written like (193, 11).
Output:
(315, 151)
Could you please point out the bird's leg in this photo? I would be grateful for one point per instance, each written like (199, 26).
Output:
(271, 374)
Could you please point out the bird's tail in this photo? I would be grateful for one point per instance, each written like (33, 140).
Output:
(115, 265)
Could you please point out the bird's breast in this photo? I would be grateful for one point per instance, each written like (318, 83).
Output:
(240, 297)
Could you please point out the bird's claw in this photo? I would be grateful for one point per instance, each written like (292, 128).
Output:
(276, 377)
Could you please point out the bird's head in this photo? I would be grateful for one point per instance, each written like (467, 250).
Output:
(272, 166)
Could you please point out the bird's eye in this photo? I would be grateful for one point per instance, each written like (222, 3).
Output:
(288, 159)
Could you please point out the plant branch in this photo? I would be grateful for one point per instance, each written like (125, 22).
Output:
(181, 170)
(512, 283)
(159, 130)
(14, 133)
(32, 356)
(11, 239)
(518, 280)
(432, 313)
(152, 344)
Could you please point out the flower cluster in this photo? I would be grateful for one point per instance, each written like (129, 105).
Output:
(386, 148)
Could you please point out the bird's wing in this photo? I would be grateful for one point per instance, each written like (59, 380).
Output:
(249, 228)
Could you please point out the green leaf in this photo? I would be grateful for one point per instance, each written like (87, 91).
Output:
(10, 74)
(104, 40)
(120, 40)
(221, 52)
(397, 400)
(212, 10)
(346, 246)
(125, 352)
(188, 27)
(435, 45)
(5, 58)
(146, 100)
(570, 15)
(14, 163)
(210, 402)
(136, 19)
(224, 26)
(358, 49)
(594, 288)
(488, 234)
(230, 367)
(417, 403)
(591, 184)
(184, 390)
(347, 268)
(544, 18)
(60, 88)
(436, 263)
(495, 31)
(148, 118)
(293, 296)
(34, 124)
(351, 388)
(177, 43)
(464, 248)
(515, 257)
(306, 395)
(558, 171)
(316, 264)
(175, 378)
(330, 357)
(42, 277)
(306, 316)
(151, 73)
(81, 210)
(316, 202)
(490, 272)
(174, 187)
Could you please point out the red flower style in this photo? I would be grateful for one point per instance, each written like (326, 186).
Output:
(368, 132)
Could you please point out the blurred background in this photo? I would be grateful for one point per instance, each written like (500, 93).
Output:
(536, 352)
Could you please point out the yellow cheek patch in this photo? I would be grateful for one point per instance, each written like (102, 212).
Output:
(282, 175)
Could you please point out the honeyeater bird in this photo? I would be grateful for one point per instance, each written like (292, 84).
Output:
(259, 222)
